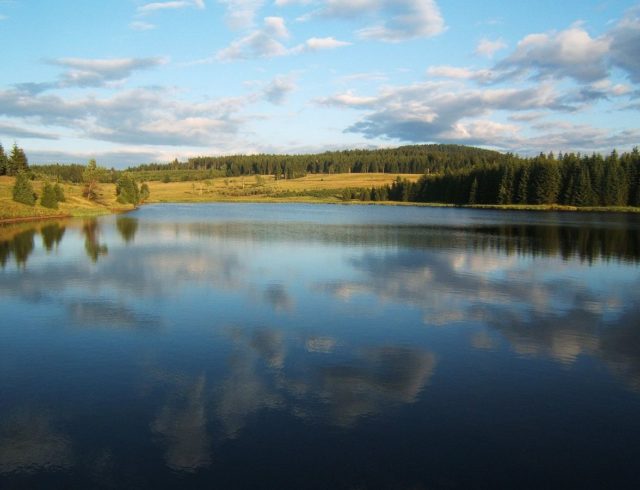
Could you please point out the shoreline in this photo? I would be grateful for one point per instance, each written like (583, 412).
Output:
(482, 207)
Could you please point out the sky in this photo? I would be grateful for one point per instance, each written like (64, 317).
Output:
(133, 81)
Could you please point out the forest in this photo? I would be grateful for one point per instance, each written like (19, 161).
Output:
(451, 174)
(416, 159)
(569, 179)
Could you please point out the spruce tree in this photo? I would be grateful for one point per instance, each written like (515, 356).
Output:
(17, 161)
(583, 194)
(505, 191)
(59, 192)
(49, 198)
(23, 190)
(473, 191)
(545, 182)
(522, 194)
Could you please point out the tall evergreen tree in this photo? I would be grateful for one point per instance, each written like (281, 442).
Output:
(92, 176)
(473, 191)
(49, 198)
(23, 190)
(507, 183)
(545, 182)
(17, 161)
(522, 193)
(583, 194)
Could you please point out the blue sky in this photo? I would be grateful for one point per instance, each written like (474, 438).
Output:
(132, 81)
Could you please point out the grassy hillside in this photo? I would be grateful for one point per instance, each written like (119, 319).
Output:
(312, 188)
(75, 204)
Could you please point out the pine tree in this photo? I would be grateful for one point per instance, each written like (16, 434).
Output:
(91, 177)
(23, 190)
(545, 182)
(522, 193)
(505, 191)
(127, 191)
(473, 191)
(583, 194)
(49, 199)
(17, 161)
(57, 188)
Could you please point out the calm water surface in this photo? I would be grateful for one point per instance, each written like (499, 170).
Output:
(311, 346)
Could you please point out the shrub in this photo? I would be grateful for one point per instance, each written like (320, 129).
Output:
(23, 190)
(49, 198)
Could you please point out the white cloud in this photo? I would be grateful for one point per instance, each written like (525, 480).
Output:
(141, 26)
(13, 131)
(415, 18)
(393, 20)
(488, 48)
(574, 54)
(375, 76)
(448, 112)
(440, 111)
(148, 8)
(261, 43)
(318, 44)
(140, 116)
(279, 88)
(241, 13)
(349, 100)
(286, 3)
(570, 53)
(267, 42)
(625, 44)
(85, 72)
(460, 73)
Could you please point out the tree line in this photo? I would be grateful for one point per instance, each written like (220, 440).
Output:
(91, 175)
(452, 174)
(13, 163)
(568, 179)
(415, 159)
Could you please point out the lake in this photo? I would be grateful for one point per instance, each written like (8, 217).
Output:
(320, 346)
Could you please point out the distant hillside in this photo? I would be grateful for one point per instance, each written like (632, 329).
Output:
(415, 159)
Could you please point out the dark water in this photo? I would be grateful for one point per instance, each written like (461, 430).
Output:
(299, 346)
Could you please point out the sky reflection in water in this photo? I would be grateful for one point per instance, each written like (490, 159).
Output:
(320, 346)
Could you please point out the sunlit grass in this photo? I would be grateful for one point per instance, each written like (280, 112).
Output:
(75, 204)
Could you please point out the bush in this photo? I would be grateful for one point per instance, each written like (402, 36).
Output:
(127, 190)
(59, 193)
(23, 190)
(49, 198)
(144, 192)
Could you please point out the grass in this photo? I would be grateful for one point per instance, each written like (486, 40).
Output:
(75, 204)
(315, 188)
(556, 207)
(311, 188)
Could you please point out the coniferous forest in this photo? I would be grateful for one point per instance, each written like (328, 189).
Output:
(451, 174)
(569, 179)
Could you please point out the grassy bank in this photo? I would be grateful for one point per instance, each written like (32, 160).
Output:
(75, 204)
(315, 188)
(556, 207)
